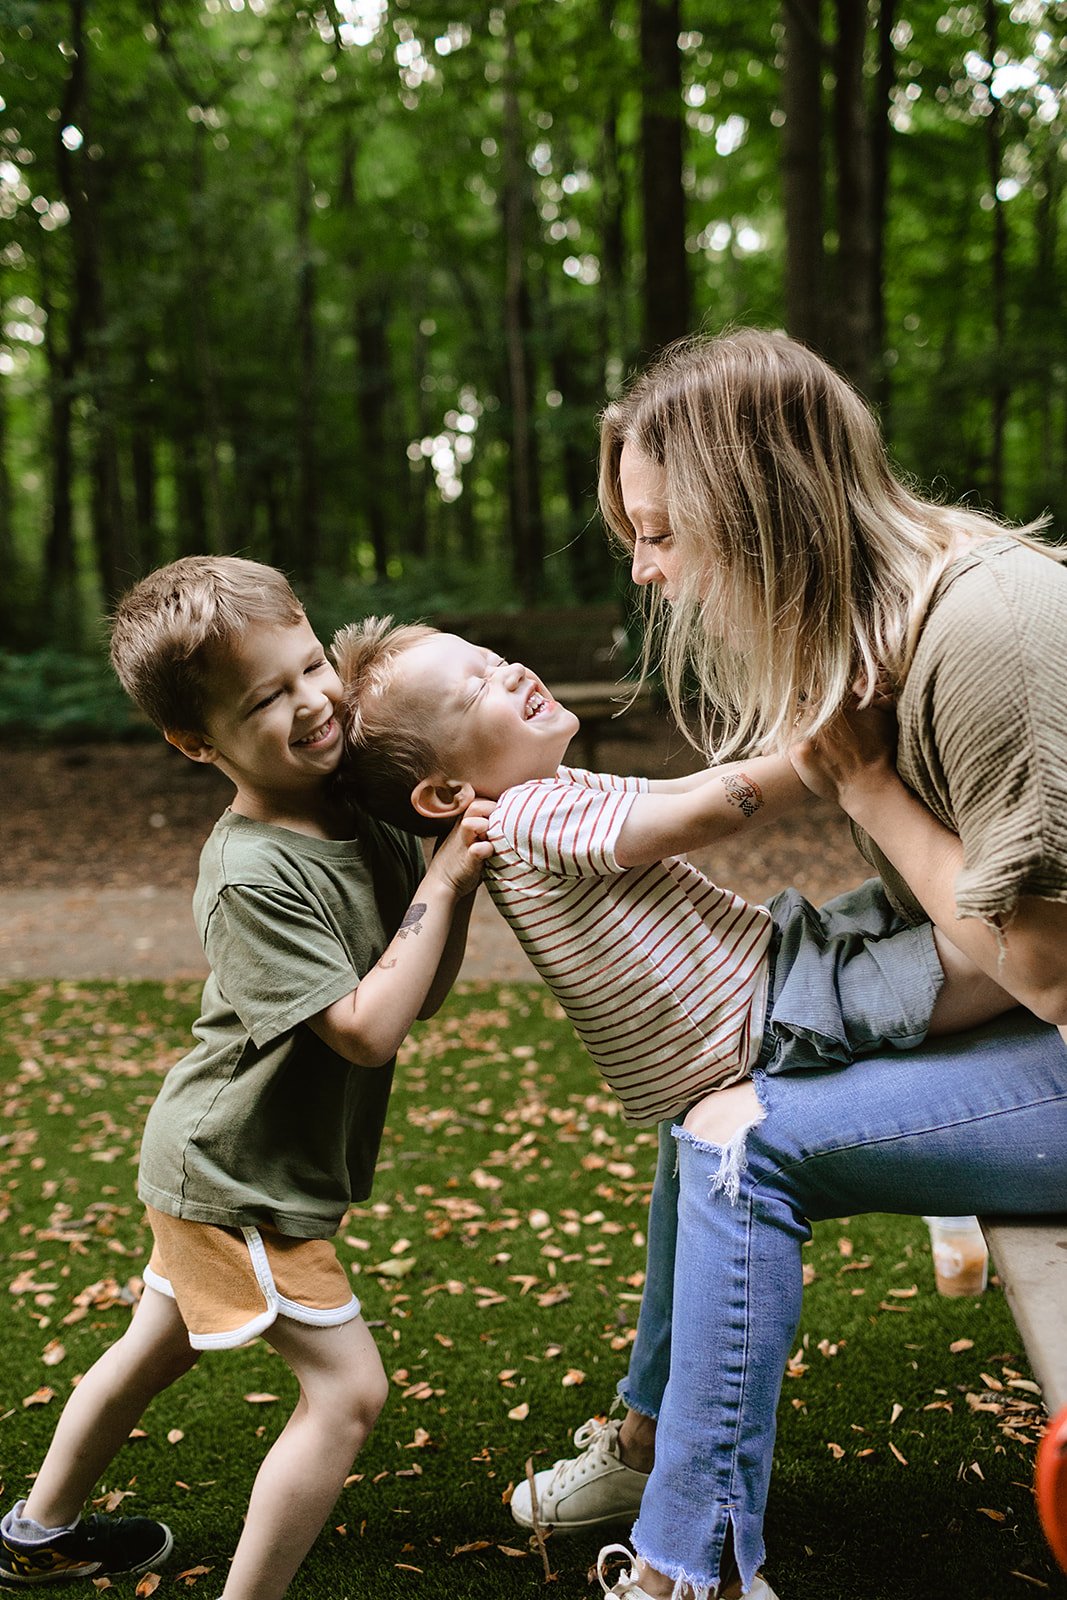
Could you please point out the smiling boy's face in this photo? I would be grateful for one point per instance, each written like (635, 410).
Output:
(269, 719)
(493, 722)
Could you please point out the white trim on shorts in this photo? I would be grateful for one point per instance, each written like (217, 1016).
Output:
(277, 1304)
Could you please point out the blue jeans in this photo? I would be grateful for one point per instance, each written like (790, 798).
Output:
(972, 1123)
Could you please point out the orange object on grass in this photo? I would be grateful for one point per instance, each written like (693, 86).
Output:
(1050, 1482)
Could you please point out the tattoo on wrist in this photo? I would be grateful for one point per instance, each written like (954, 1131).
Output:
(411, 920)
(743, 793)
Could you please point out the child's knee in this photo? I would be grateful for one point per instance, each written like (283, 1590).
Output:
(357, 1405)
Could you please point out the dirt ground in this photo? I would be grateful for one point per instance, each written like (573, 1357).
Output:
(126, 816)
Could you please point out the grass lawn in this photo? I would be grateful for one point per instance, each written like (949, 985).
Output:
(500, 1265)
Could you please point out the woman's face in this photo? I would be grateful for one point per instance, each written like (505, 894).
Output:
(643, 485)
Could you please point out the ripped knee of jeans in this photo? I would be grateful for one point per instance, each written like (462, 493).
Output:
(719, 1125)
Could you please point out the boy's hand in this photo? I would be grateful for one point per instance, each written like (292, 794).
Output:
(461, 854)
(856, 751)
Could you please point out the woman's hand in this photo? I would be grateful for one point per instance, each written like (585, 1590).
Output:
(855, 752)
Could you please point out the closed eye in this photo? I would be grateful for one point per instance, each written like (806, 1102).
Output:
(655, 538)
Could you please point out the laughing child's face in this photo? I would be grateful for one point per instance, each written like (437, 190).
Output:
(493, 722)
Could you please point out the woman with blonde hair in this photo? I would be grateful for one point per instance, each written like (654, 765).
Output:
(798, 585)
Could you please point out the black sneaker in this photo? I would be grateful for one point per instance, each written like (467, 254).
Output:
(98, 1547)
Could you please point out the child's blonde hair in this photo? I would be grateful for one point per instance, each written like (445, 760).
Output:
(389, 746)
(168, 631)
(807, 564)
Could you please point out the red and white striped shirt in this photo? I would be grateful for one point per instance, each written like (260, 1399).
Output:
(663, 974)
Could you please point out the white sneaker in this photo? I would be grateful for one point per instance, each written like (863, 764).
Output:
(628, 1586)
(594, 1487)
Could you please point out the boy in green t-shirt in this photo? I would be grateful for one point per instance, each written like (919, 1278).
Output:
(326, 938)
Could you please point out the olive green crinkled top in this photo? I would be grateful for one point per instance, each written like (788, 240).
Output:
(983, 728)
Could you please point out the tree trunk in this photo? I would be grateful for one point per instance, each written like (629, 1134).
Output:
(1046, 224)
(852, 342)
(615, 332)
(802, 171)
(305, 509)
(998, 271)
(880, 144)
(7, 535)
(666, 307)
(418, 481)
(59, 607)
(85, 348)
(524, 486)
(143, 468)
(373, 383)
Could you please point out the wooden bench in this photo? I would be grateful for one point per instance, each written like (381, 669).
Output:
(581, 653)
(1030, 1255)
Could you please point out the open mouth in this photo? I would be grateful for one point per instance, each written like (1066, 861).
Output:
(537, 705)
(317, 735)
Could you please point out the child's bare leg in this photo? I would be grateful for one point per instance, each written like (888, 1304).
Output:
(342, 1390)
(152, 1353)
(968, 996)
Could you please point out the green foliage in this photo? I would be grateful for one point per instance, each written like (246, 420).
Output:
(499, 1264)
(49, 694)
(269, 283)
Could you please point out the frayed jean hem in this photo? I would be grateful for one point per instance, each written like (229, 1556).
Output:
(632, 1401)
(691, 1585)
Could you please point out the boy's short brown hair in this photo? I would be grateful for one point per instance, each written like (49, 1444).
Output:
(168, 630)
(388, 741)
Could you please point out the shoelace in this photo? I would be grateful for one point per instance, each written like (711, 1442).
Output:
(587, 1438)
(626, 1580)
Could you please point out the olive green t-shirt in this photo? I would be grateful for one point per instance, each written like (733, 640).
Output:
(983, 728)
(261, 1123)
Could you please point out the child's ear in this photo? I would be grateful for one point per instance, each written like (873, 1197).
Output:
(440, 798)
(191, 744)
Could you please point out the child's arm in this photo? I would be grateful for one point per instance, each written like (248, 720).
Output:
(368, 1026)
(723, 801)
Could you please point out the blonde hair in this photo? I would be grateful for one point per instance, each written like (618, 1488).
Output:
(388, 743)
(807, 565)
(168, 630)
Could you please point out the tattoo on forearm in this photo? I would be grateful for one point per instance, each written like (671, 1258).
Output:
(411, 921)
(743, 793)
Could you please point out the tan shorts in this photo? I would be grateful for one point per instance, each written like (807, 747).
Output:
(232, 1283)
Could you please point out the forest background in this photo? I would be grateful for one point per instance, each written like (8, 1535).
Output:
(342, 286)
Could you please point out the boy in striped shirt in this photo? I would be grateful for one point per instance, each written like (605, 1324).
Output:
(675, 986)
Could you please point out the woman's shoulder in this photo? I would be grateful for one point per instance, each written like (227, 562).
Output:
(1002, 566)
(994, 583)
(994, 632)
